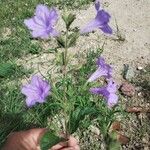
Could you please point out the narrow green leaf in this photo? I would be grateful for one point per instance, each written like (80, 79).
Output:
(77, 116)
(7, 69)
(72, 39)
(61, 41)
(49, 140)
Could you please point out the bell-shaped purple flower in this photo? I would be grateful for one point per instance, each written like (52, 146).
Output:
(100, 21)
(104, 70)
(109, 92)
(42, 24)
(36, 91)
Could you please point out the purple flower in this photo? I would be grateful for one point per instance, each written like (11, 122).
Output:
(43, 22)
(109, 92)
(36, 91)
(100, 21)
(103, 70)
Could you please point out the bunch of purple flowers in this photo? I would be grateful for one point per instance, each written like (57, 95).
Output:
(39, 89)
(108, 91)
(42, 24)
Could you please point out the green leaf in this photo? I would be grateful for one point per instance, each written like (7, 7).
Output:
(68, 19)
(114, 145)
(49, 140)
(52, 50)
(77, 116)
(6, 69)
(61, 41)
(72, 39)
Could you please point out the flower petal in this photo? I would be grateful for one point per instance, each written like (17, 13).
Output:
(100, 61)
(32, 25)
(112, 86)
(40, 33)
(106, 29)
(98, 73)
(102, 17)
(97, 5)
(42, 12)
(30, 91)
(99, 90)
(36, 91)
(53, 16)
(91, 26)
(112, 100)
(30, 102)
(54, 33)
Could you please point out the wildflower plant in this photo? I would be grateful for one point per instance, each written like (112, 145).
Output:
(75, 103)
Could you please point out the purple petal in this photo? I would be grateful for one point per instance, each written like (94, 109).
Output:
(100, 61)
(53, 16)
(35, 80)
(32, 25)
(42, 12)
(107, 69)
(97, 90)
(97, 5)
(106, 29)
(42, 24)
(54, 33)
(36, 91)
(112, 86)
(40, 33)
(42, 86)
(30, 102)
(30, 91)
(103, 70)
(112, 100)
(90, 27)
(98, 73)
(39, 22)
(102, 17)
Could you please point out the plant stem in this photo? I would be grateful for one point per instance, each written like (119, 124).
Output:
(66, 49)
(64, 84)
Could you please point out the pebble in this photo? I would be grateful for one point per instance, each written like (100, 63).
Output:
(129, 73)
(139, 68)
(95, 130)
(127, 89)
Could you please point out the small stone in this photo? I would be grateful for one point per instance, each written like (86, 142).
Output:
(127, 89)
(129, 73)
(95, 130)
(140, 68)
(140, 94)
(116, 126)
(122, 139)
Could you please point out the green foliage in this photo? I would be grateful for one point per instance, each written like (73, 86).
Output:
(68, 19)
(77, 116)
(72, 39)
(6, 69)
(49, 140)
(61, 41)
(12, 70)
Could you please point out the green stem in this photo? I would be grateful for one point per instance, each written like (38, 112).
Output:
(64, 84)
(66, 49)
